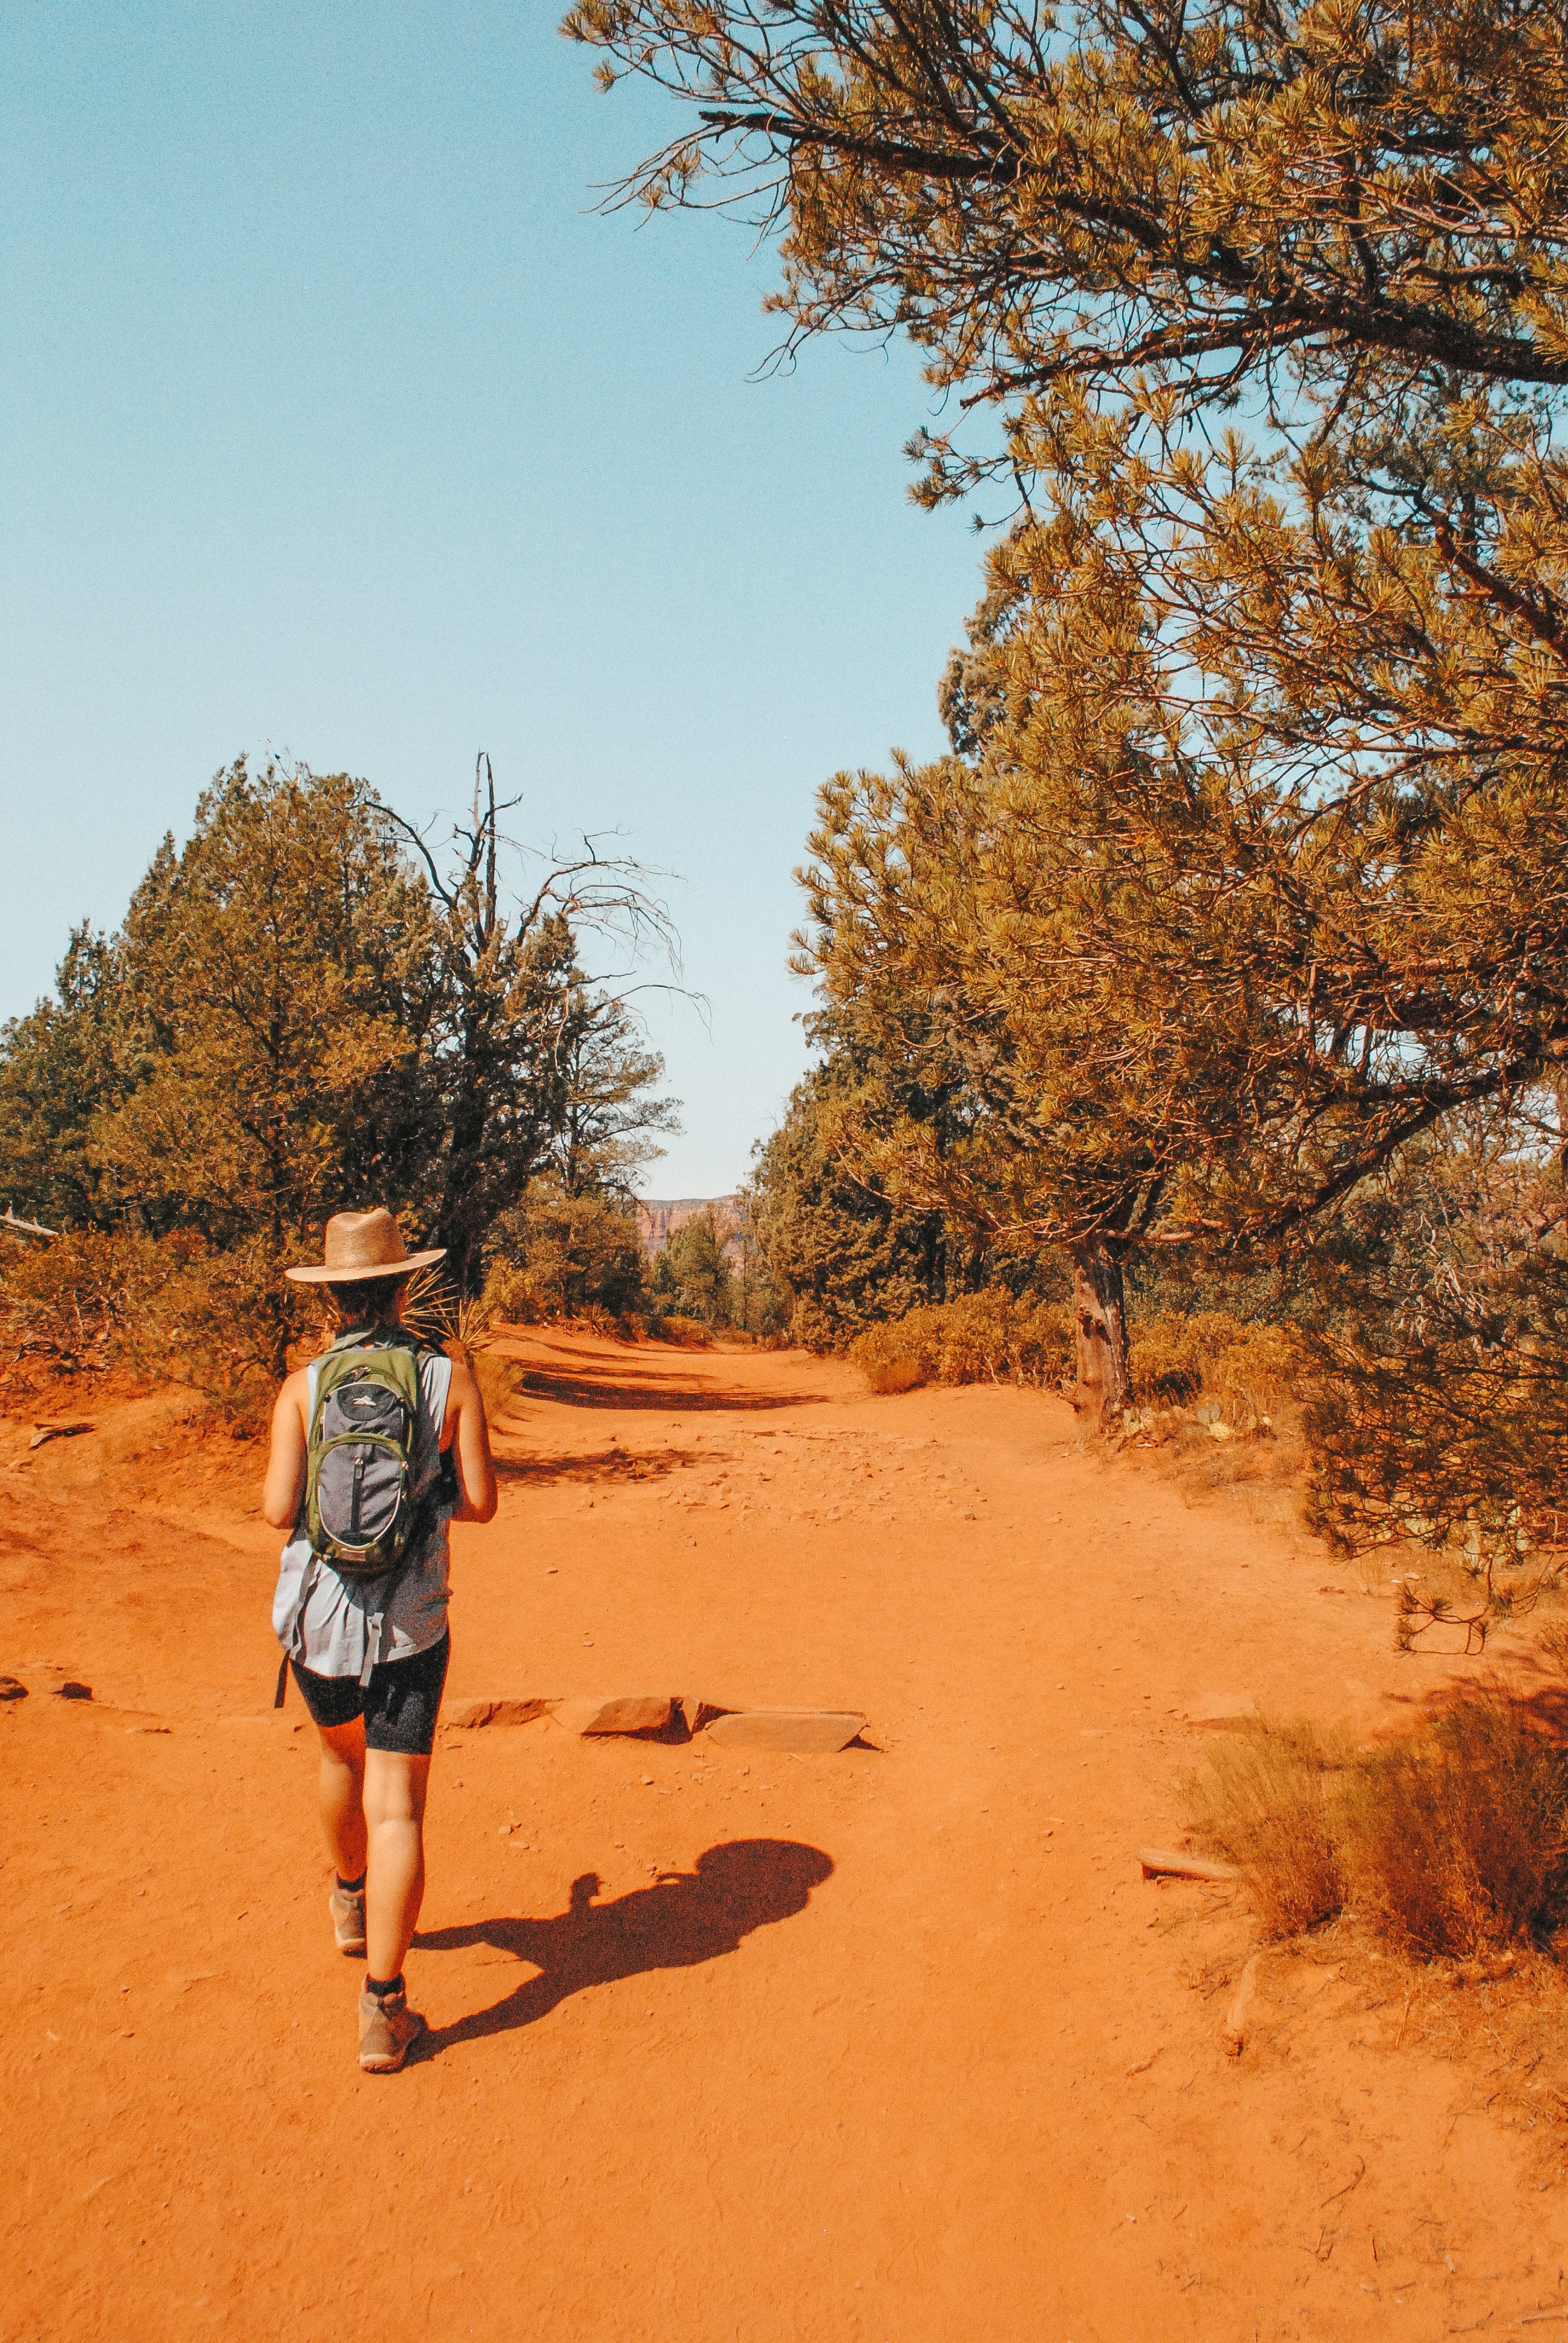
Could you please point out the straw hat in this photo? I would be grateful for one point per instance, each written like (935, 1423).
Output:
(361, 1245)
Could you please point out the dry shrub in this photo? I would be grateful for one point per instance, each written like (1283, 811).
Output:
(979, 1338)
(1242, 1376)
(62, 1305)
(1451, 1843)
(897, 1355)
(686, 1334)
(1456, 1839)
(1264, 1799)
(171, 1309)
(1248, 1372)
(1208, 1458)
(1218, 1395)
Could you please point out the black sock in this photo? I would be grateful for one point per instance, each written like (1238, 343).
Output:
(383, 1987)
(349, 1886)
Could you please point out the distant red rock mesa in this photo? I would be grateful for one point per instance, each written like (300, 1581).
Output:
(660, 1216)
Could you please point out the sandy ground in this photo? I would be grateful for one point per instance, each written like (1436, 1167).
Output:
(891, 2047)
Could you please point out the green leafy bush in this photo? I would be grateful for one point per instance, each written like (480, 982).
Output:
(691, 1273)
(844, 1256)
(563, 1255)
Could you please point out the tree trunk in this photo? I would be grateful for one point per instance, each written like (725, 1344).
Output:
(279, 1358)
(1099, 1331)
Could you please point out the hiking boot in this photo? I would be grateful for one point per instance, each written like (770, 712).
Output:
(386, 2028)
(346, 1905)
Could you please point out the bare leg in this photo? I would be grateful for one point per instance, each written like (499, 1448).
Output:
(341, 1795)
(395, 1788)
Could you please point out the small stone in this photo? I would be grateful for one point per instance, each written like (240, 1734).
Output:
(1237, 2017)
(12, 1688)
(1223, 1708)
(697, 1714)
(497, 1711)
(619, 1713)
(807, 1731)
(72, 1690)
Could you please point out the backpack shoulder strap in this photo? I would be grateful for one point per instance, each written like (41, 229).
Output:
(384, 1337)
(391, 1362)
(352, 1338)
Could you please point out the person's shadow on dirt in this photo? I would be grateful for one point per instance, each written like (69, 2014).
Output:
(682, 1918)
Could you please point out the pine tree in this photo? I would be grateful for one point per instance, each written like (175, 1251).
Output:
(843, 1252)
(57, 1067)
(1205, 194)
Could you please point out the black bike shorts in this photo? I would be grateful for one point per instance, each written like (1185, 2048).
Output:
(400, 1705)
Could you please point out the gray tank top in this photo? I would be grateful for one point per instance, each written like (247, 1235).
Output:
(341, 1627)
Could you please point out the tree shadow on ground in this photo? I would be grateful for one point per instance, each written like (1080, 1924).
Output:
(603, 1465)
(1535, 1689)
(1543, 1703)
(682, 1919)
(664, 1383)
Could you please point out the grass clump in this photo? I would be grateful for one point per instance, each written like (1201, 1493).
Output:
(1457, 1836)
(1265, 1800)
(1449, 1844)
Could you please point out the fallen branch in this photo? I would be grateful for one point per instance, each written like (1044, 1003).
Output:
(1497, 1604)
(1240, 2007)
(1161, 1863)
(1345, 2191)
(8, 1220)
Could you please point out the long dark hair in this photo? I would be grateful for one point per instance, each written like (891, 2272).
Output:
(365, 1300)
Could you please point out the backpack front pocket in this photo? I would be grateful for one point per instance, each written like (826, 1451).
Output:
(362, 1442)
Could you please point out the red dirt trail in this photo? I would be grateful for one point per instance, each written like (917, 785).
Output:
(892, 2046)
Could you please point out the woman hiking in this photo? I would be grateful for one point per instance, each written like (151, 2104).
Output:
(375, 1446)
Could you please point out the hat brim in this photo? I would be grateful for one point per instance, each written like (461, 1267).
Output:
(322, 1275)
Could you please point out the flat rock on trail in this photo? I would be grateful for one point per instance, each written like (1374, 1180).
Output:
(894, 2044)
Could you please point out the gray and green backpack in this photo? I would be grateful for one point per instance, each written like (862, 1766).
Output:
(359, 1508)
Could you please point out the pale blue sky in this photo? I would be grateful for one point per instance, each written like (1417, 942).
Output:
(336, 419)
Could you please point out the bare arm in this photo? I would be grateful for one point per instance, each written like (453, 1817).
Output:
(284, 1483)
(467, 1435)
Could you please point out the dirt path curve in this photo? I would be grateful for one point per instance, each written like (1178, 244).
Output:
(894, 2047)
